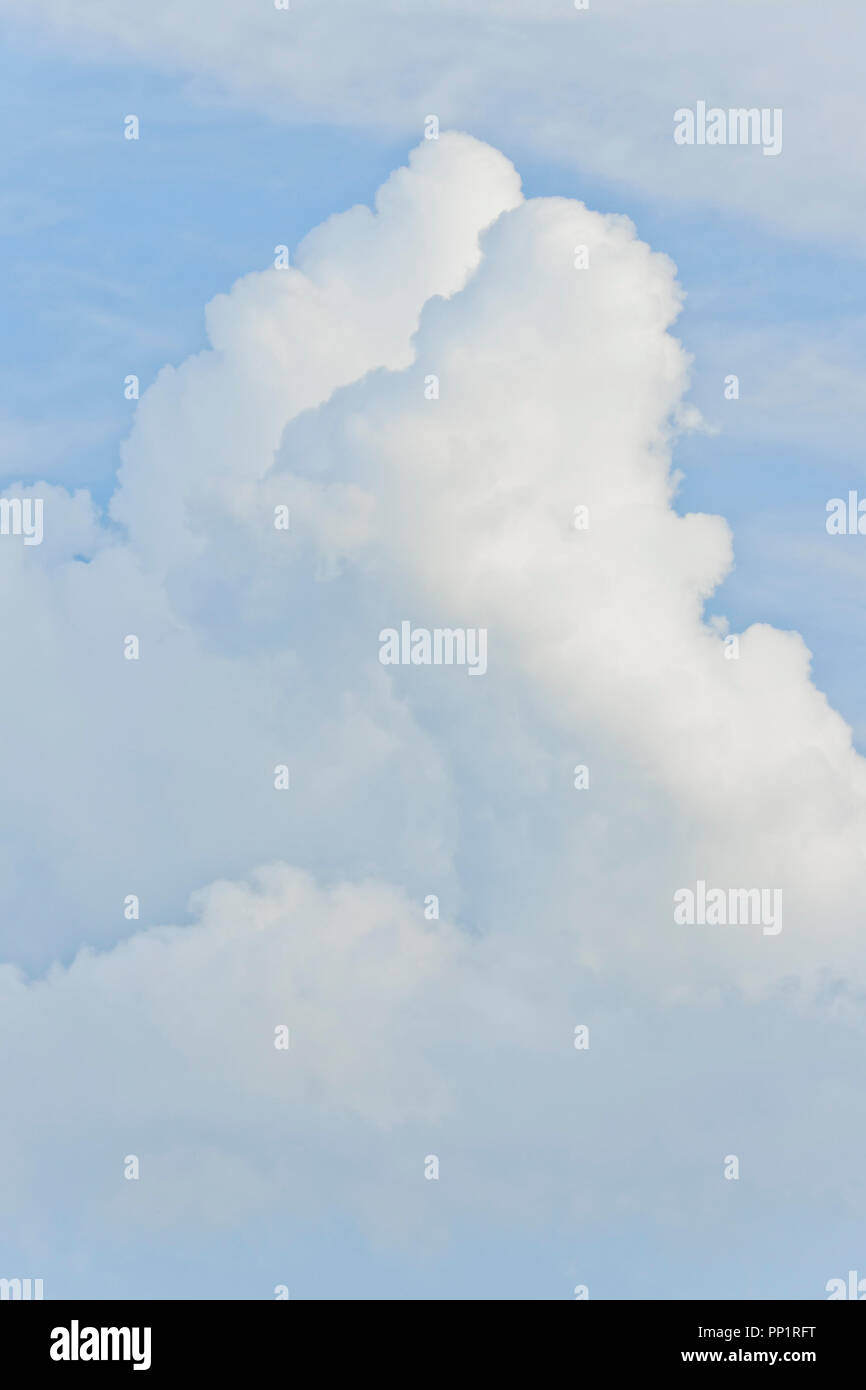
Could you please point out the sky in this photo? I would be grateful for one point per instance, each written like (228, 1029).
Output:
(148, 1032)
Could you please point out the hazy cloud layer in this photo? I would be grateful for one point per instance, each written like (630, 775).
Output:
(594, 89)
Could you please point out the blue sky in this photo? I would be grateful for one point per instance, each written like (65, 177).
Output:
(157, 779)
(123, 243)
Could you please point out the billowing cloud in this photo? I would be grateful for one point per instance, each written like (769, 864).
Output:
(154, 776)
(558, 385)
